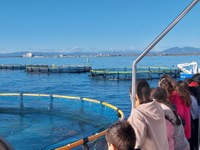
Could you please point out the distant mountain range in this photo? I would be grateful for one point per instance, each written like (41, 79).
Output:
(170, 51)
(184, 50)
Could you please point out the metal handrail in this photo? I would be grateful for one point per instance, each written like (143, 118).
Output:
(162, 34)
(134, 67)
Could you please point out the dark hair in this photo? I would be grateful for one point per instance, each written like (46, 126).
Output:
(158, 94)
(121, 135)
(196, 77)
(143, 91)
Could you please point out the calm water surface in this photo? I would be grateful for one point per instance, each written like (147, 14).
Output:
(71, 84)
(114, 92)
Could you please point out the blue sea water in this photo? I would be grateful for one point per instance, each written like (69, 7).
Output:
(114, 92)
(72, 84)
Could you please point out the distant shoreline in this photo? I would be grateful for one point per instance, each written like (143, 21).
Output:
(100, 55)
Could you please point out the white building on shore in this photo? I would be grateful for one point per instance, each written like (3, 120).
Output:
(28, 55)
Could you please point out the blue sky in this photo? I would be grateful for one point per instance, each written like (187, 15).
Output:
(95, 25)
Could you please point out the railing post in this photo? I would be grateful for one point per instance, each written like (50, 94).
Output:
(21, 102)
(51, 103)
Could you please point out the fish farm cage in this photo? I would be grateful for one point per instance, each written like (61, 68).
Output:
(12, 66)
(48, 121)
(147, 73)
(48, 68)
(59, 69)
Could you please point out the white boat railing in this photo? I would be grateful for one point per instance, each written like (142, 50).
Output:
(162, 34)
(193, 67)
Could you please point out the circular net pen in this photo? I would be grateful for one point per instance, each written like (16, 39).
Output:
(43, 121)
(148, 73)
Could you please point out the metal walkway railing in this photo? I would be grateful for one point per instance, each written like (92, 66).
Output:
(162, 34)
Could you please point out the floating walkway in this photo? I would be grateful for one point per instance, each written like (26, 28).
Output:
(48, 69)
(12, 67)
(142, 73)
(59, 69)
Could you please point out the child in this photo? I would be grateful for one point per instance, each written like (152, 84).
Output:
(121, 136)
(177, 137)
(160, 95)
(180, 99)
(148, 120)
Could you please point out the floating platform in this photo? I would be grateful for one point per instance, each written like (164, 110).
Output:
(142, 73)
(12, 67)
(48, 69)
(59, 69)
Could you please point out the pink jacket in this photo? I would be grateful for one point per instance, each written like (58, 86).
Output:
(148, 121)
(174, 131)
(169, 125)
(170, 134)
(183, 111)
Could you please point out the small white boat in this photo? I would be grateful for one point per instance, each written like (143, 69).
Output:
(188, 69)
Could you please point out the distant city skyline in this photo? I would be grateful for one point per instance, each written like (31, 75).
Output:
(91, 25)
